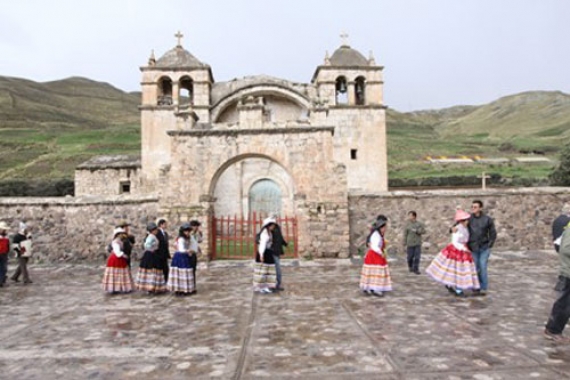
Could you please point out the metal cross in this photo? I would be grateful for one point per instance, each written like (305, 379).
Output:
(179, 36)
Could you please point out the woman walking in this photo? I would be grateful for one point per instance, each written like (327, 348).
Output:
(181, 275)
(150, 277)
(264, 276)
(117, 277)
(454, 266)
(375, 275)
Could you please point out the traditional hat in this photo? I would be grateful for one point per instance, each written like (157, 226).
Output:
(123, 223)
(117, 231)
(185, 227)
(461, 215)
(22, 227)
(268, 221)
(379, 223)
(151, 226)
(4, 226)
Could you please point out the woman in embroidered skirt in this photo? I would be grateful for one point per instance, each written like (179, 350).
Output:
(375, 275)
(264, 275)
(117, 277)
(454, 266)
(150, 277)
(181, 275)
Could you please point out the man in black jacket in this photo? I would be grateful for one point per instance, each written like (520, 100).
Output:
(482, 236)
(277, 246)
(559, 224)
(163, 249)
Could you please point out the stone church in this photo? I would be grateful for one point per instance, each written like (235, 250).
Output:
(257, 144)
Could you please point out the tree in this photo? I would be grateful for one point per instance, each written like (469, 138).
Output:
(561, 175)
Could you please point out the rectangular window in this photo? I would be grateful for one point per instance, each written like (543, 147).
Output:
(353, 154)
(125, 187)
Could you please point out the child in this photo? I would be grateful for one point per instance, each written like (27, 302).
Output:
(181, 275)
(454, 266)
(4, 250)
(150, 277)
(117, 277)
(375, 275)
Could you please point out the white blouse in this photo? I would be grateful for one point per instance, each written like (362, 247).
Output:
(376, 242)
(460, 237)
(117, 246)
(265, 240)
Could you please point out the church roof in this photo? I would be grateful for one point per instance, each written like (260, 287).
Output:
(347, 56)
(179, 57)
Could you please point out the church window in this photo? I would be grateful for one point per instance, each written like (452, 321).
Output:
(341, 91)
(164, 92)
(360, 91)
(353, 153)
(125, 187)
(186, 94)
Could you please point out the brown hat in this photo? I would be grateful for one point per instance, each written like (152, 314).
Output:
(123, 223)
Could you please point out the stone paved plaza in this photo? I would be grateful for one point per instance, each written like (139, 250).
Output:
(321, 327)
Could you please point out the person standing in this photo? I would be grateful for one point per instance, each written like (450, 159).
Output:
(163, 246)
(375, 275)
(196, 239)
(264, 266)
(22, 243)
(453, 266)
(128, 242)
(4, 250)
(559, 224)
(413, 232)
(150, 277)
(560, 313)
(482, 236)
(117, 277)
(277, 248)
(181, 277)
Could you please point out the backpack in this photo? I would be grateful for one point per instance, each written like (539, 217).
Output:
(4, 245)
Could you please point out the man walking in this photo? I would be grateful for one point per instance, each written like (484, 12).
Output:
(413, 232)
(277, 247)
(559, 224)
(482, 236)
(561, 308)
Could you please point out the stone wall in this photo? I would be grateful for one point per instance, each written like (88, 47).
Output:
(77, 228)
(523, 217)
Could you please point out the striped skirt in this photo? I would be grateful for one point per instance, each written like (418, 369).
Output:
(375, 274)
(150, 277)
(117, 277)
(454, 267)
(181, 274)
(264, 276)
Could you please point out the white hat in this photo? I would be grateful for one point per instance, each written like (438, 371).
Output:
(268, 221)
(4, 226)
(23, 226)
(118, 230)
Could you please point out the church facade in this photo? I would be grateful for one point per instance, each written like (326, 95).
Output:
(257, 144)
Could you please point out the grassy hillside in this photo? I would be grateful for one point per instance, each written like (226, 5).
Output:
(49, 128)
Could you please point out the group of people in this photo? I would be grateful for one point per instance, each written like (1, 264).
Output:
(460, 266)
(22, 246)
(154, 274)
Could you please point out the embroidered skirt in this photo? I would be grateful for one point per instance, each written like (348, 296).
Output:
(150, 277)
(264, 275)
(454, 267)
(181, 274)
(375, 274)
(117, 277)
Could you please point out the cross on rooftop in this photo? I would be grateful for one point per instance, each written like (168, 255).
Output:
(484, 179)
(179, 37)
(344, 38)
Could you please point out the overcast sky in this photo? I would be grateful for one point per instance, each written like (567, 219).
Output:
(436, 53)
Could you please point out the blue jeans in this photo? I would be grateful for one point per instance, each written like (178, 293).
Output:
(277, 259)
(481, 257)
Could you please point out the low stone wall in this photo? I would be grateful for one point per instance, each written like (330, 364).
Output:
(76, 229)
(523, 217)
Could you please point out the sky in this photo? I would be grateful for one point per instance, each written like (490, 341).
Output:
(436, 53)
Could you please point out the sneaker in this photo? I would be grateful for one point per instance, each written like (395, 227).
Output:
(265, 291)
(460, 293)
(557, 338)
(377, 294)
(367, 292)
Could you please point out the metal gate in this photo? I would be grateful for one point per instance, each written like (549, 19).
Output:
(234, 237)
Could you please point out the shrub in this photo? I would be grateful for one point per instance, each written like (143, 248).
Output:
(561, 174)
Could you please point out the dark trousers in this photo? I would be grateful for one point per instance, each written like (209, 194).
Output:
(414, 255)
(22, 269)
(193, 264)
(561, 308)
(3, 267)
(165, 268)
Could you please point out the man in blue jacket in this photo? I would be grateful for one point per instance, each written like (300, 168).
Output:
(482, 236)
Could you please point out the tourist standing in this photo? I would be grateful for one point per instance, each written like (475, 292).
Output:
(454, 266)
(150, 277)
(413, 232)
(181, 275)
(375, 275)
(117, 277)
(559, 224)
(264, 280)
(22, 243)
(195, 250)
(278, 242)
(163, 246)
(482, 236)
(4, 250)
